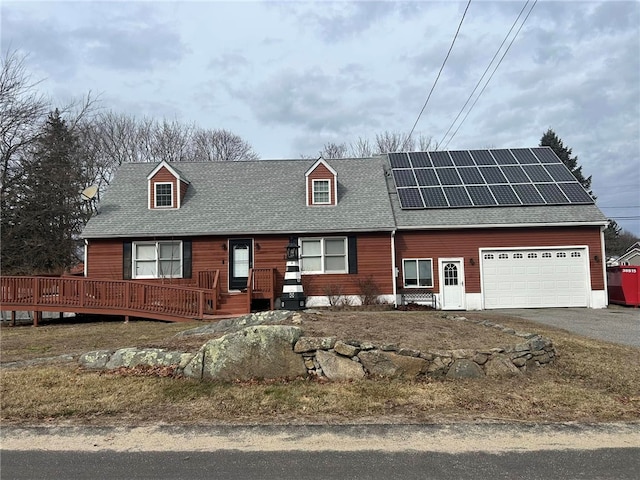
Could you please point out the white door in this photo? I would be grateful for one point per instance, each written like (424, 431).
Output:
(535, 278)
(451, 284)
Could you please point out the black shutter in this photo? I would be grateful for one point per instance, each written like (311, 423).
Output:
(353, 255)
(186, 259)
(126, 260)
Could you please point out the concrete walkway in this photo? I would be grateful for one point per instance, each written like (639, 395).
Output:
(615, 324)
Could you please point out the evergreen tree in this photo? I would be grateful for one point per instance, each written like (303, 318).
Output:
(550, 139)
(47, 215)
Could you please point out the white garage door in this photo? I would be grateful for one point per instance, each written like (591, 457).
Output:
(531, 278)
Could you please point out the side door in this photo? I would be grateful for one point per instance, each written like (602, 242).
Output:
(240, 261)
(452, 291)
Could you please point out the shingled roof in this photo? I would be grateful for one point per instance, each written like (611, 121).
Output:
(238, 198)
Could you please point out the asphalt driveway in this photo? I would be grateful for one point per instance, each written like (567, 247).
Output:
(615, 324)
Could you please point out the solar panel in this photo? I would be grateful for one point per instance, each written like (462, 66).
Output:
(457, 196)
(482, 157)
(484, 178)
(399, 160)
(410, 198)
(404, 178)
(440, 159)
(504, 195)
(434, 197)
(426, 177)
(471, 176)
(515, 174)
(524, 156)
(552, 193)
(481, 195)
(448, 176)
(493, 175)
(560, 173)
(504, 157)
(461, 158)
(575, 193)
(420, 159)
(537, 173)
(528, 194)
(546, 155)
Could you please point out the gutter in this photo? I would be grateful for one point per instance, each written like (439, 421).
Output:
(394, 269)
(502, 225)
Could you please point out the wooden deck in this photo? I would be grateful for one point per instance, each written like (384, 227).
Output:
(131, 298)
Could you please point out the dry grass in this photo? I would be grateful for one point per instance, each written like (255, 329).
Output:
(590, 381)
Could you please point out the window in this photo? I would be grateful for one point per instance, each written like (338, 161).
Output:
(488, 256)
(503, 256)
(164, 194)
(575, 254)
(323, 255)
(321, 193)
(157, 260)
(418, 272)
(546, 255)
(517, 255)
(532, 255)
(561, 254)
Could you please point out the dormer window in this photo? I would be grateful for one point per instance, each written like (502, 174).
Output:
(322, 184)
(167, 187)
(321, 192)
(164, 195)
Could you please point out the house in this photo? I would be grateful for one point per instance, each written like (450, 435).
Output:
(631, 256)
(472, 229)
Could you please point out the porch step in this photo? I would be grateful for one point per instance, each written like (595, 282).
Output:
(232, 304)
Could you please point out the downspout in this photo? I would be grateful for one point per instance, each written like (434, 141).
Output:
(394, 268)
(86, 256)
(603, 256)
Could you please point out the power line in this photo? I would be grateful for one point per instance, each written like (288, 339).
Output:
(492, 73)
(484, 73)
(437, 77)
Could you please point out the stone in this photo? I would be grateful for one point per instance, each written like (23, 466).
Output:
(409, 352)
(263, 351)
(392, 365)
(95, 360)
(438, 368)
(538, 343)
(309, 344)
(389, 347)
(465, 368)
(345, 349)
(542, 359)
(229, 325)
(151, 357)
(500, 366)
(520, 361)
(480, 358)
(336, 367)
(462, 353)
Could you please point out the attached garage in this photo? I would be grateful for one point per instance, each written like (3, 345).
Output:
(535, 277)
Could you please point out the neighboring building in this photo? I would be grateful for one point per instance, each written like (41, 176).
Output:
(631, 256)
(479, 229)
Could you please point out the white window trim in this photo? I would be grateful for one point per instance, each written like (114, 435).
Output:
(157, 249)
(323, 256)
(404, 280)
(313, 191)
(155, 194)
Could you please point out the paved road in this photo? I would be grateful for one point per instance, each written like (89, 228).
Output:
(295, 465)
(615, 324)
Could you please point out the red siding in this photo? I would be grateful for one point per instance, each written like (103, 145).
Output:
(321, 172)
(466, 244)
(208, 253)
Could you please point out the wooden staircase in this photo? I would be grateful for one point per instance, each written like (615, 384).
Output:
(236, 303)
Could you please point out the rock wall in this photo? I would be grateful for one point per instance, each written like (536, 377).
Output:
(276, 351)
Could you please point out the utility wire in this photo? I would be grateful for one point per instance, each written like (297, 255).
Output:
(483, 75)
(437, 77)
(492, 73)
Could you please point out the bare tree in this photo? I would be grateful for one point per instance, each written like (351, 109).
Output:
(361, 148)
(334, 150)
(221, 145)
(393, 142)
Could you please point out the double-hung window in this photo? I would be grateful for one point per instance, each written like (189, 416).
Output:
(418, 272)
(321, 193)
(164, 194)
(157, 259)
(323, 255)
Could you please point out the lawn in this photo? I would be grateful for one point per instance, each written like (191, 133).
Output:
(589, 381)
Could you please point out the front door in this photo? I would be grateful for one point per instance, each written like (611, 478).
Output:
(240, 261)
(452, 284)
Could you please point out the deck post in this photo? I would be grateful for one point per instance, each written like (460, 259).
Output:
(13, 318)
(36, 290)
(82, 291)
(126, 319)
(201, 305)
(37, 316)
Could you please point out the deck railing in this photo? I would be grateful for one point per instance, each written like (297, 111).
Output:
(118, 297)
(261, 284)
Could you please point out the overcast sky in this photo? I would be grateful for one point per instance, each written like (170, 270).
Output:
(290, 76)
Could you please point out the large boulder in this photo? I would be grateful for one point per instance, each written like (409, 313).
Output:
(465, 368)
(501, 366)
(229, 325)
(392, 365)
(151, 357)
(264, 351)
(336, 367)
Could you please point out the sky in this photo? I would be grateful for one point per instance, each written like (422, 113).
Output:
(289, 76)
